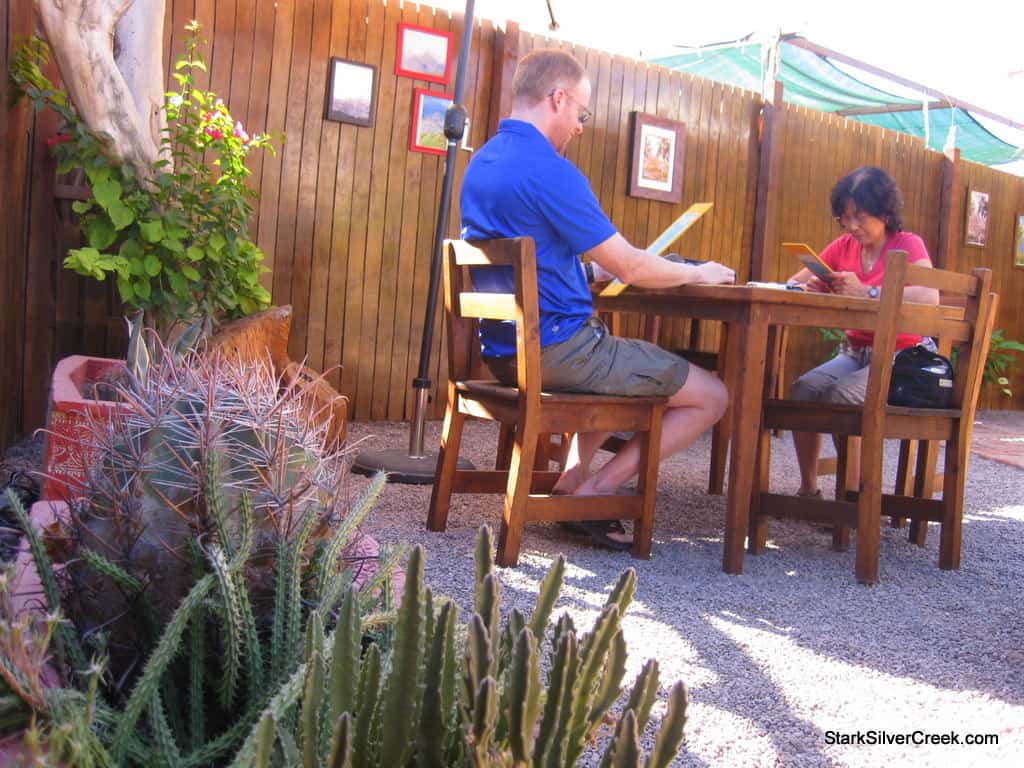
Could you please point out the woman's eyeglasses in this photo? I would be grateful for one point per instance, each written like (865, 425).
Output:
(850, 222)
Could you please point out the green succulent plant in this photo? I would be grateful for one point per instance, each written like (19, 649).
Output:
(465, 696)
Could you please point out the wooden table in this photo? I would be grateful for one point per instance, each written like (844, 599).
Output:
(748, 313)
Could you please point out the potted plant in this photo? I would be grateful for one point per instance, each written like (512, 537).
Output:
(173, 235)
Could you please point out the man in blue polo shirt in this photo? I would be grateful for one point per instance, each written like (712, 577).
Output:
(519, 184)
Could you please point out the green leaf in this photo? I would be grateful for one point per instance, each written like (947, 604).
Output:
(97, 175)
(194, 253)
(107, 192)
(81, 206)
(100, 232)
(190, 272)
(217, 242)
(172, 245)
(152, 265)
(130, 250)
(120, 214)
(124, 287)
(179, 286)
(142, 289)
(152, 231)
(83, 261)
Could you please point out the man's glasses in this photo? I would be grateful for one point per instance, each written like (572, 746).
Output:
(584, 113)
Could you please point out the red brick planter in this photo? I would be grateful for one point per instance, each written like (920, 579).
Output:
(69, 413)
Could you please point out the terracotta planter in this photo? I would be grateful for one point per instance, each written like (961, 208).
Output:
(70, 410)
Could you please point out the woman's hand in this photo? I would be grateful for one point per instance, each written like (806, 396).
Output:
(847, 284)
(816, 285)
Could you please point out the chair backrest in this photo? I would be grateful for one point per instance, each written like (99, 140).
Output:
(967, 330)
(464, 308)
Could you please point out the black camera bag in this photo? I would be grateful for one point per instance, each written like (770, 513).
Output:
(921, 379)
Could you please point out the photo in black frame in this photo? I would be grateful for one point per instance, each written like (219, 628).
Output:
(351, 92)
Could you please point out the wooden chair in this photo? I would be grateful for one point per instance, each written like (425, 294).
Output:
(526, 412)
(875, 421)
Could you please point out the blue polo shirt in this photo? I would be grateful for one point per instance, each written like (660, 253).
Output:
(517, 185)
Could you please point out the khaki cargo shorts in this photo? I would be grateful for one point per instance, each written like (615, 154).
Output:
(594, 361)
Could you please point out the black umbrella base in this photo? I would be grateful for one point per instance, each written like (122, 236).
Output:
(400, 466)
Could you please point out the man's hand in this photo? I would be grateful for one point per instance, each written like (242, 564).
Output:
(713, 273)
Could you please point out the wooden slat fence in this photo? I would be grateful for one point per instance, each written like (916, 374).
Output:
(346, 214)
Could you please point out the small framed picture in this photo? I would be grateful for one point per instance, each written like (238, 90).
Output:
(428, 108)
(657, 147)
(1018, 242)
(976, 223)
(424, 53)
(351, 92)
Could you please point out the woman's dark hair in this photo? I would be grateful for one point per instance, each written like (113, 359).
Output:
(872, 191)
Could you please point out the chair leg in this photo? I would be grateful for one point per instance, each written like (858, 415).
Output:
(869, 510)
(447, 461)
(924, 486)
(840, 533)
(506, 436)
(904, 481)
(647, 486)
(953, 502)
(524, 452)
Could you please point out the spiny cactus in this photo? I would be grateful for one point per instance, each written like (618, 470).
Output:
(166, 498)
(419, 704)
(214, 527)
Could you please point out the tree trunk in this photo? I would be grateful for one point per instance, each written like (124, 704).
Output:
(138, 53)
(81, 35)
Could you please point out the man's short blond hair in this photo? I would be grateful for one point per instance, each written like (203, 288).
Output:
(541, 71)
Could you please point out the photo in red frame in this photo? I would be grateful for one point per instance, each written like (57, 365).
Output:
(428, 109)
(424, 53)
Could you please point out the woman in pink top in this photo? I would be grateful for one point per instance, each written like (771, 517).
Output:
(867, 205)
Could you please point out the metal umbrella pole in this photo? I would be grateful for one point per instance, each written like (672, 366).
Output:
(416, 465)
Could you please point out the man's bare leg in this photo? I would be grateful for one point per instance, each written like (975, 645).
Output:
(582, 449)
(691, 411)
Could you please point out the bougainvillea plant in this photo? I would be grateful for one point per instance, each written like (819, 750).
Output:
(176, 241)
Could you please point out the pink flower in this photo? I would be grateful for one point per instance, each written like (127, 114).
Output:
(213, 133)
(239, 133)
(60, 138)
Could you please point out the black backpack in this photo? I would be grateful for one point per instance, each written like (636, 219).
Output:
(921, 379)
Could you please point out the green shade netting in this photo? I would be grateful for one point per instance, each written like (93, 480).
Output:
(812, 81)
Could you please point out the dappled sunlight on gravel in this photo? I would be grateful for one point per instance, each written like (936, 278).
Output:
(794, 647)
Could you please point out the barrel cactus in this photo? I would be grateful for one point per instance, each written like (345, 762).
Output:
(214, 467)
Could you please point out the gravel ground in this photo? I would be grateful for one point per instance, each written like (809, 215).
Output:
(794, 648)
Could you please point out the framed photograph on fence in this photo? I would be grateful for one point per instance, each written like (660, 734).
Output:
(424, 53)
(656, 148)
(976, 223)
(351, 92)
(1018, 241)
(428, 110)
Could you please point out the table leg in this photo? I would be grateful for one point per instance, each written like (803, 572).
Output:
(722, 430)
(750, 338)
